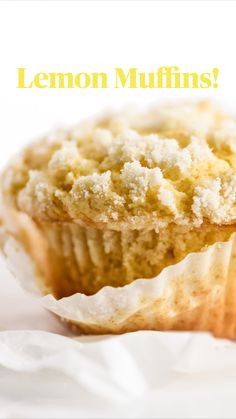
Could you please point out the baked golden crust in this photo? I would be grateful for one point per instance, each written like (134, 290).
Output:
(87, 259)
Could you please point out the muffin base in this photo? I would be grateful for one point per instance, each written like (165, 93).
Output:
(197, 293)
(85, 259)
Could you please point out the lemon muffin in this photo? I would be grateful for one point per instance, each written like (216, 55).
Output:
(123, 196)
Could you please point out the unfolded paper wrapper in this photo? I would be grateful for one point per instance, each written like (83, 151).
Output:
(134, 375)
(198, 293)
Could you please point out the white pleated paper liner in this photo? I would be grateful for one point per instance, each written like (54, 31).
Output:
(198, 293)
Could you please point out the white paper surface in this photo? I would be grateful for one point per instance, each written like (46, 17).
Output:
(137, 375)
(144, 374)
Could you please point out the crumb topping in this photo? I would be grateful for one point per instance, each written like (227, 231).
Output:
(173, 164)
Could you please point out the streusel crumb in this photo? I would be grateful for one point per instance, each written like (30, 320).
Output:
(172, 164)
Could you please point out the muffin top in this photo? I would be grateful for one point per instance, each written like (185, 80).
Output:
(174, 163)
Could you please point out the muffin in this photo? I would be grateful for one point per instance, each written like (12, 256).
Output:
(129, 197)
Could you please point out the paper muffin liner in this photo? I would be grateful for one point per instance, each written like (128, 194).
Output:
(198, 293)
(84, 258)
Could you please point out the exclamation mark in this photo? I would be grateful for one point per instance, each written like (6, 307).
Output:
(215, 75)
